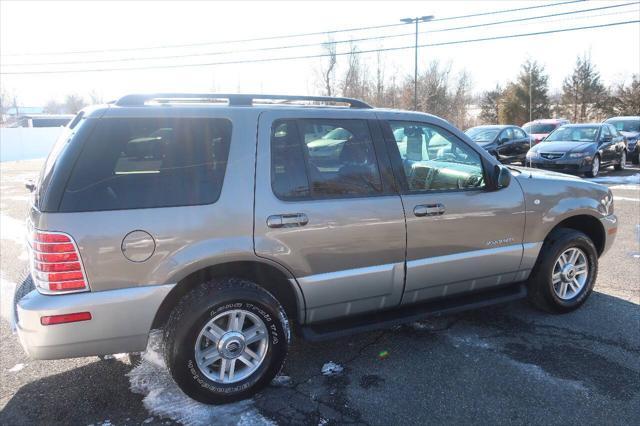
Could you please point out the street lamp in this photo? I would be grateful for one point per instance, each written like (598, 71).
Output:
(416, 20)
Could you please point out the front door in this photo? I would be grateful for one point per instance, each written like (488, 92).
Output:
(460, 235)
(326, 208)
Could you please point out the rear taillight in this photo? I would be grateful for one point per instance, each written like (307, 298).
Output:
(56, 266)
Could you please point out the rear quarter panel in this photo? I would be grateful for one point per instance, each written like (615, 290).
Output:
(186, 238)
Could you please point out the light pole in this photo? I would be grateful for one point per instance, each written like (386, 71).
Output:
(416, 20)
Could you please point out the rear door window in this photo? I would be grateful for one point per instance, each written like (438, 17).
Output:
(130, 163)
(322, 158)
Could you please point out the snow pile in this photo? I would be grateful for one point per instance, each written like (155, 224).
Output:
(164, 399)
(7, 289)
(16, 368)
(623, 180)
(13, 229)
(332, 369)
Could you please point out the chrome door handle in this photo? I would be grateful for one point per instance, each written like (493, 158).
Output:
(429, 210)
(287, 220)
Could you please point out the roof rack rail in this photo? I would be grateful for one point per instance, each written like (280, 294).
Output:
(233, 99)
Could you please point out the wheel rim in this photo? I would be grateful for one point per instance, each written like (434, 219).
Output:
(570, 273)
(623, 160)
(595, 167)
(231, 346)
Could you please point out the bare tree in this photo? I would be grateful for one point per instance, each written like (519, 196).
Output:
(95, 98)
(73, 103)
(54, 107)
(379, 98)
(328, 72)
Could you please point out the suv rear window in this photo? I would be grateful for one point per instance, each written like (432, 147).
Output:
(130, 163)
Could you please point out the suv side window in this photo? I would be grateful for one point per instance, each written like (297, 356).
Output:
(613, 131)
(435, 160)
(130, 163)
(323, 158)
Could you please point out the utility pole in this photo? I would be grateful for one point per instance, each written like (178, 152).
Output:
(530, 99)
(416, 20)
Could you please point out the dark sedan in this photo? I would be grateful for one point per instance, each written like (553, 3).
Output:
(630, 128)
(580, 148)
(509, 144)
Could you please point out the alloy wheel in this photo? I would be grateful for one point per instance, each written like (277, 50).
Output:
(231, 346)
(570, 273)
(595, 166)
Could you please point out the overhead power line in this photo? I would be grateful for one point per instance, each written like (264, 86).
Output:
(276, 37)
(296, 46)
(289, 58)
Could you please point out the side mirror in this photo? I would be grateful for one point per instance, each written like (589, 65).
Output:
(606, 139)
(502, 177)
(503, 140)
(30, 185)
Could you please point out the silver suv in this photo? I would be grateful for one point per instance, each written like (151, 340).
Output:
(224, 219)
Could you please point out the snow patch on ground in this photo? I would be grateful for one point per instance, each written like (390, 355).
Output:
(541, 375)
(616, 198)
(13, 229)
(164, 399)
(469, 340)
(122, 356)
(7, 289)
(332, 369)
(629, 180)
(281, 381)
(17, 368)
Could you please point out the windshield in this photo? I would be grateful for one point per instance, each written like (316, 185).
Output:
(626, 125)
(478, 134)
(539, 128)
(573, 134)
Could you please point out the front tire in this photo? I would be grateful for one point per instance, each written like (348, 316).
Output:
(595, 167)
(225, 340)
(623, 161)
(565, 272)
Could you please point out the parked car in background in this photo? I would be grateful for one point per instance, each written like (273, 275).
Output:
(629, 126)
(509, 144)
(580, 148)
(540, 129)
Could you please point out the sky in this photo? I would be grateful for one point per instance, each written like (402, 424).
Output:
(45, 32)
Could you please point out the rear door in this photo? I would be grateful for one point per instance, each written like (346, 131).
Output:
(327, 209)
(460, 236)
(506, 147)
(607, 145)
(522, 143)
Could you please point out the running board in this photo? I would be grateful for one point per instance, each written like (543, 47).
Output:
(410, 313)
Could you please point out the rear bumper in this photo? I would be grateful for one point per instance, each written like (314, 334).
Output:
(121, 321)
(610, 224)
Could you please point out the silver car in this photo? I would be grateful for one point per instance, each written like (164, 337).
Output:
(217, 223)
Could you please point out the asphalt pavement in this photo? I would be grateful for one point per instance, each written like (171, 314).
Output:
(509, 364)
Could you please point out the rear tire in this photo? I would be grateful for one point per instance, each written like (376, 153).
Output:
(550, 277)
(230, 321)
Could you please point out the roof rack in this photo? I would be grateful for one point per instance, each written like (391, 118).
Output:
(233, 99)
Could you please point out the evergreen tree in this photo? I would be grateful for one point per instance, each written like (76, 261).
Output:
(583, 94)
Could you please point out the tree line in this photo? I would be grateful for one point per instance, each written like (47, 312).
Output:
(584, 96)
(441, 91)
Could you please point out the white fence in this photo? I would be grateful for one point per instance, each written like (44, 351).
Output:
(26, 143)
